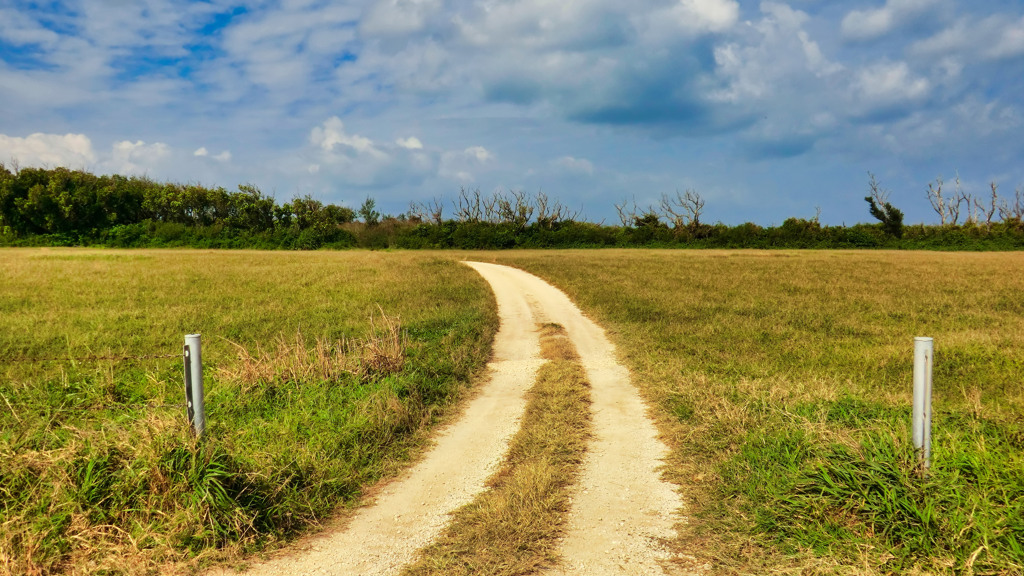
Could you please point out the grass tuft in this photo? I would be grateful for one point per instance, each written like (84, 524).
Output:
(381, 353)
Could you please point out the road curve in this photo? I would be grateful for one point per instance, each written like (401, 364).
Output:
(408, 513)
(621, 507)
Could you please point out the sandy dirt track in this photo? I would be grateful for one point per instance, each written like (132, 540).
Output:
(412, 510)
(621, 506)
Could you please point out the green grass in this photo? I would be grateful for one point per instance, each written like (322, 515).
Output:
(93, 479)
(782, 380)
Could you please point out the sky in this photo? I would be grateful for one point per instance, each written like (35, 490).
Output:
(769, 110)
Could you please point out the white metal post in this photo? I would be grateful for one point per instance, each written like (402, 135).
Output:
(194, 384)
(922, 415)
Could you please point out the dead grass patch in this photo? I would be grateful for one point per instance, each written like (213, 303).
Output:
(297, 360)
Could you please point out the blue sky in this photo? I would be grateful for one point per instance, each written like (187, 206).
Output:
(768, 109)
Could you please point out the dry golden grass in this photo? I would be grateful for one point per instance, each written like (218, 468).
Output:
(514, 527)
(380, 353)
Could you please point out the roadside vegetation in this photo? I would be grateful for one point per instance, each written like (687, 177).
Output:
(514, 528)
(61, 207)
(782, 381)
(323, 372)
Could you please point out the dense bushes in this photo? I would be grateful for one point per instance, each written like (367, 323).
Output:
(66, 207)
(60, 207)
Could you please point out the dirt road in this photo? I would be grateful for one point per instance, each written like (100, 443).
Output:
(621, 507)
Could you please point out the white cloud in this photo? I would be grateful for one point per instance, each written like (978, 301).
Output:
(783, 53)
(282, 48)
(398, 17)
(202, 152)
(410, 143)
(706, 15)
(1010, 42)
(129, 157)
(478, 152)
(51, 150)
(870, 24)
(361, 161)
(19, 29)
(991, 38)
(579, 165)
(889, 83)
(460, 164)
(332, 135)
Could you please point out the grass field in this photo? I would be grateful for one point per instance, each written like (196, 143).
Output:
(322, 370)
(782, 381)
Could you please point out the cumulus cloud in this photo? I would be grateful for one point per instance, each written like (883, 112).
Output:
(599, 61)
(479, 152)
(137, 157)
(332, 136)
(410, 143)
(202, 152)
(698, 16)
(283, 47)
(51, 150)
(1010, 42)
(461, 165)
(19, 29)
(877, 22)
(782, 55)
(577, 165)
(399, 17)
(890, 83)
(361, 161)
(967, 39)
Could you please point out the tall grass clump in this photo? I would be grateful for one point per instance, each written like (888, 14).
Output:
(98, 470)
(783, 383)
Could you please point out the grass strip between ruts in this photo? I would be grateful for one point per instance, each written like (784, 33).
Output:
(516, 525)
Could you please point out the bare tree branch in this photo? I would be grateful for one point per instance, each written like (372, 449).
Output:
(684, 210)
(937, 201)
(469, 206)
(879, 194)
(990, 210)
(627, 212)
(1013, 211)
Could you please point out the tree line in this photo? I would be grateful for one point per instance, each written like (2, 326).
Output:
(65, 207)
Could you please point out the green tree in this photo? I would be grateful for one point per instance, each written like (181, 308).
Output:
(368, 212)
(890, 216)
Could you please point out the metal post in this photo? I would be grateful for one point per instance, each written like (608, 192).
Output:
(922, 419)
(194, 384)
